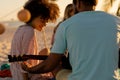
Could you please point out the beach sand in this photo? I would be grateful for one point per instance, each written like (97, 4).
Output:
(6, 38)
(5, 43)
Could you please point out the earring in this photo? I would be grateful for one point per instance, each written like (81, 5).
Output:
(24, 15)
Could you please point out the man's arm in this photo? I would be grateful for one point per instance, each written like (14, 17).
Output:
(47, 65)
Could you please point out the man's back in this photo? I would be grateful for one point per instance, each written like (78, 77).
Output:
(91, 39)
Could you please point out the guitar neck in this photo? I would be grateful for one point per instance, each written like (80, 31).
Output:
(35, 57)
(13, 58)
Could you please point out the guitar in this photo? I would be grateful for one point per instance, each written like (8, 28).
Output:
(14, 58)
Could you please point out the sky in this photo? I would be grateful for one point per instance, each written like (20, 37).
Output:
(9, 8)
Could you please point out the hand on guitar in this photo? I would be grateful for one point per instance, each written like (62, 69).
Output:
(25, 66)
(44, 51)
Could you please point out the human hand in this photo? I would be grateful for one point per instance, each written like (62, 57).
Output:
(25, 66)
(44, 51)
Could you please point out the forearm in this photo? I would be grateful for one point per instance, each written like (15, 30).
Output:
(40, 68)
(46, 66)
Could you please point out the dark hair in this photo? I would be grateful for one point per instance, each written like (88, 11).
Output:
(43, 9)
(75, 2)
(86, 2)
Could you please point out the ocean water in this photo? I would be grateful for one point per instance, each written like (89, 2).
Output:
(17, 23)
(12, 23)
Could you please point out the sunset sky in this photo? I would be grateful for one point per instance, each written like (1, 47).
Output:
(9, 8)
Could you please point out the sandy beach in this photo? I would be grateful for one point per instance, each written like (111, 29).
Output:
(5, 42)
(6, 38)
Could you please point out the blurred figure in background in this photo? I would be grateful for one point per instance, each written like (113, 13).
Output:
(110, 6)
(69, 11)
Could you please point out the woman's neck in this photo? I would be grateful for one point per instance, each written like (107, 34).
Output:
(30, 24)
(86, 8)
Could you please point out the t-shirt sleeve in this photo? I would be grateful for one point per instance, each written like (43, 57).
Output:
(59, 45)
(28, 42)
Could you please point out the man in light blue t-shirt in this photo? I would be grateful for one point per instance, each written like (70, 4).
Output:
(92, 40)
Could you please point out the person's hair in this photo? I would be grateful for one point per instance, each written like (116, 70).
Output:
(46, 10)
(75, 2)
(67, 14)
(86, 2)
(68, 10)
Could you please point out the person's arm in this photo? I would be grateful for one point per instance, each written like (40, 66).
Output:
(28, 47)
(48, 65)
(53, 60)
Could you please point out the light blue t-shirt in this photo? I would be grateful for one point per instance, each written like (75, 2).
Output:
(92, 40)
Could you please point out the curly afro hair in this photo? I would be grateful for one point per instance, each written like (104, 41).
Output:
(46, 10)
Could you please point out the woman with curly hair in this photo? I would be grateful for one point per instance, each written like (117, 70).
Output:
(24, 40)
